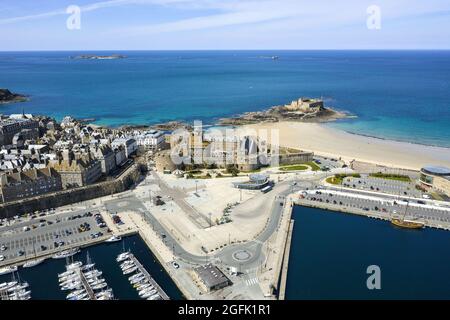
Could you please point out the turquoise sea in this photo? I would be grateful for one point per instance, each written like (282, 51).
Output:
(402, 95)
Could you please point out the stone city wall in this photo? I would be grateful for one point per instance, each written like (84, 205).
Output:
(365, 167)
(65, 197)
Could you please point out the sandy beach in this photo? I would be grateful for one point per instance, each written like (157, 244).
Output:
(329, 142)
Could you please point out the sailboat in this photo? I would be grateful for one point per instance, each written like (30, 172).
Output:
(408, 224)
(35, 261)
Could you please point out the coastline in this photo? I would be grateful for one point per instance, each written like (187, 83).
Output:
(389, 138)
(332, 142)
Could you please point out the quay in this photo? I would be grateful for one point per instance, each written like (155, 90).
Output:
(376, 207)
(152, 281)
(50, 253)
(284, 270)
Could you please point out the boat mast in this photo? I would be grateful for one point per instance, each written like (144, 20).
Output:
(406, 209)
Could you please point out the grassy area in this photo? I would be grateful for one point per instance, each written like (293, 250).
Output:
(333, 180)
(301, 166)
(314, 166)
(436, 196)
(339, 178)
(294, 167)
(389, 176)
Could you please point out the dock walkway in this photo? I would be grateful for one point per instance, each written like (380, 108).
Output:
(152, 281)
(86, 284)
(284, 270)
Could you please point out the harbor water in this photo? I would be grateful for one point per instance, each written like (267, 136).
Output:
(43, 279)
(330, 253)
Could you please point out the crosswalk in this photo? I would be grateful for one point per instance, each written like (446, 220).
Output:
(251, 281)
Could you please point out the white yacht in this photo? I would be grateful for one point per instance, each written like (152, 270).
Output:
(100, 286)
(18, 287)
(147, 293)
(137, 280)
(88, 266)
(127, 267)
(74, 265)
(113, 239)
(7, 285)
(126, 264)
(33, 263)
(75, 293)
(66, 253)
(123, 256)
(6, 270)
(130, 270)
(144, 286)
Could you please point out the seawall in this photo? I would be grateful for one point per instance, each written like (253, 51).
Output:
(69, 196)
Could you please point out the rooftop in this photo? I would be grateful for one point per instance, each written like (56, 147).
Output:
(211, 275)
(437, 170)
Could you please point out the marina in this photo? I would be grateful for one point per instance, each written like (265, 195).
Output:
(84, 282)
(44, 280)
(15, 289)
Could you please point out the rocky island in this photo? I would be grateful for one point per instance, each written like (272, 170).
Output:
(7, 96)
(97, 57)
(165, 126)
(303, 109)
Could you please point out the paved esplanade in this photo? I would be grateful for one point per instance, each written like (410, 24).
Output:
(246, 255)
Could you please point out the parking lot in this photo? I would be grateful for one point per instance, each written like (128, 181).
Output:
(23, 237)
(327, 164)
(365, 182)
(413, 209)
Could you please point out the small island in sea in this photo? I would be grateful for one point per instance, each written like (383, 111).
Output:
(303, 109)
(99, 57)
(7, 96)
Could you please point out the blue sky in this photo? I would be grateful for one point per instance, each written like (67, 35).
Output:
(223, 24)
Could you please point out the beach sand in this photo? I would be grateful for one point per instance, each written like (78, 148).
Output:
(330, 142)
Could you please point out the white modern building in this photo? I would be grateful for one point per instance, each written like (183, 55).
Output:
(153, 140)
(129, 144)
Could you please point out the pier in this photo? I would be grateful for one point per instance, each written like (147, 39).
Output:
(284, 270)
(87, 279)
(150, 279)
(377, 206)
(86, 284)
